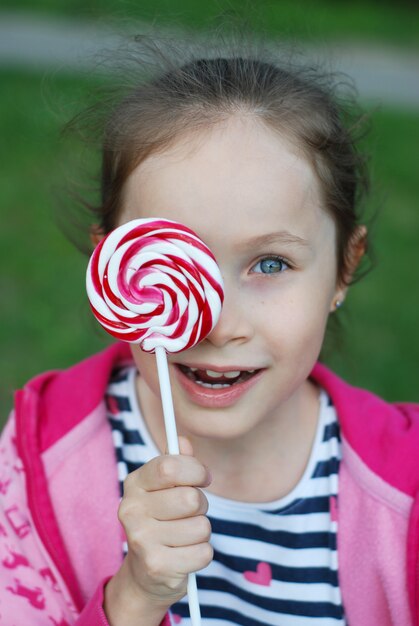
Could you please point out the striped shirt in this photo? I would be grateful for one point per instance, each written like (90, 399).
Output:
(275, 562)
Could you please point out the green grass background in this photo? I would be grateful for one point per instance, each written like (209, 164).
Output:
(387, 21)
(44, 318)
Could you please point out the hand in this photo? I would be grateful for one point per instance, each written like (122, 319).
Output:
(163, 515)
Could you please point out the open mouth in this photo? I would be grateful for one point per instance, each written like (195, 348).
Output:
(211, 379)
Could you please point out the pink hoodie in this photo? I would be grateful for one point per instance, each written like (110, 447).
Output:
(60, 539)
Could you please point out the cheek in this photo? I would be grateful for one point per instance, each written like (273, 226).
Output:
(300, 327)
(300, 315)
(147, 367)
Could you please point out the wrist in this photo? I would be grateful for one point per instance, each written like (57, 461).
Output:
(125, 605)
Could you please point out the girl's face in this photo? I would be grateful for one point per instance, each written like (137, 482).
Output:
(256, 202)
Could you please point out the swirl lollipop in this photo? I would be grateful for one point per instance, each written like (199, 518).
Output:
(155, 283)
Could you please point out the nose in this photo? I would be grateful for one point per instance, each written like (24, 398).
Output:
(234, 324)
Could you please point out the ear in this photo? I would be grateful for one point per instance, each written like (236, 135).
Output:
(355, 250)
(96, 234)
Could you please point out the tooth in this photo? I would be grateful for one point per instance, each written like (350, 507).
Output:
(232, 374)
(193, 369)
(213, 374)
(210, 386)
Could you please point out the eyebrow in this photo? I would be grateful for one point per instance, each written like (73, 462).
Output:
(282, 236)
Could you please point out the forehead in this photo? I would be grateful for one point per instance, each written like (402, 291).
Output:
(236, 173)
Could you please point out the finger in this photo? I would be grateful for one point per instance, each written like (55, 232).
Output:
(176, 503)
(185, 532)
(165, 472)
(187, 559)
(171, 563)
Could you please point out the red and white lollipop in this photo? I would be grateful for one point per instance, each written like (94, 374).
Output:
(154, 282)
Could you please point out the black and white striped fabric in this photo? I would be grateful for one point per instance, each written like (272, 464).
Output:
(274, 563)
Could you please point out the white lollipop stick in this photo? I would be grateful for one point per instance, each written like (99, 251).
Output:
(167, 401)
(173, 448)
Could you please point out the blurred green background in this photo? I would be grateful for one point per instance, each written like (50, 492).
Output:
(44, 318)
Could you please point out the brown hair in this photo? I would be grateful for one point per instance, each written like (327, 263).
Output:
(186, 95)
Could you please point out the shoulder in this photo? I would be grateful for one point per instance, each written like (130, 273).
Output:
(384, 436)
(55, 402)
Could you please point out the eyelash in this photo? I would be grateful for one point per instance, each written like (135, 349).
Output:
(273, 257)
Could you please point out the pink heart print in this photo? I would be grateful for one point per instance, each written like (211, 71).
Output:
(262, 576)
(176, 618)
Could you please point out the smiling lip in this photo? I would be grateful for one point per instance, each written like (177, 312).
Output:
(216, 398)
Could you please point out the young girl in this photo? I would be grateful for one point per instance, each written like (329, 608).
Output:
(294, 497)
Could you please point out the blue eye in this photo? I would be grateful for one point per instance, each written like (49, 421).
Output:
(270, 265)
